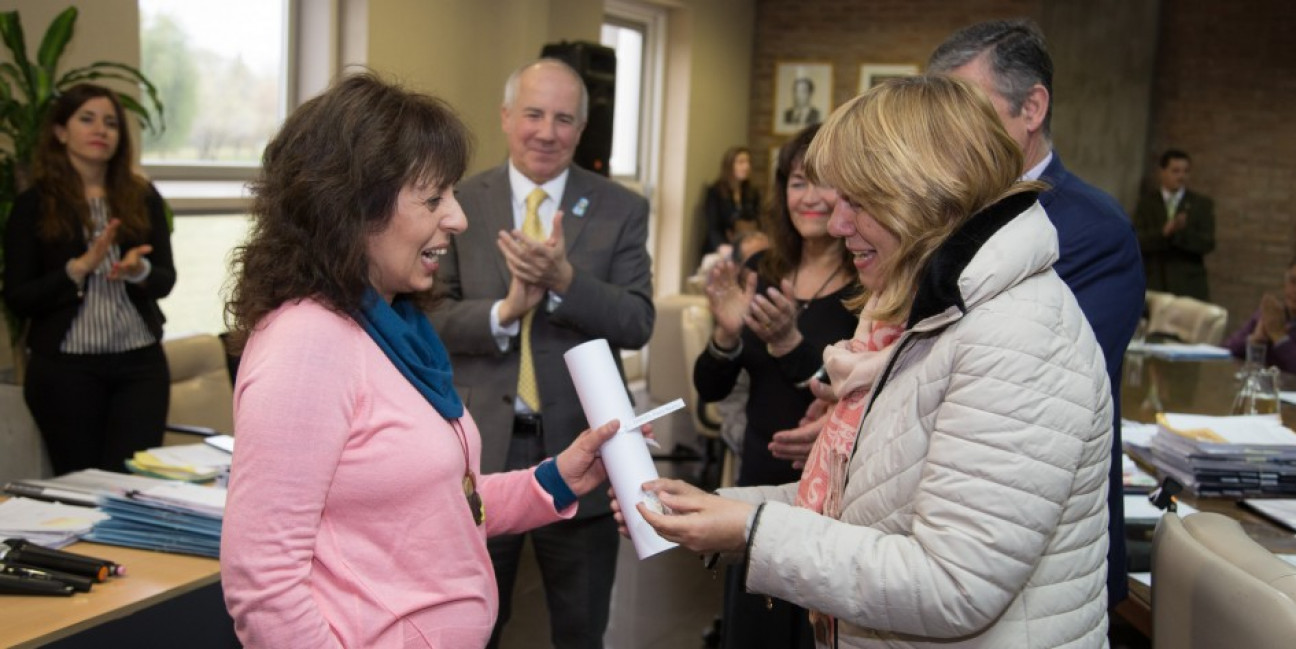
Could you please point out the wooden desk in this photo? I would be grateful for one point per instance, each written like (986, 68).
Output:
(1152, 385)
(152, 579)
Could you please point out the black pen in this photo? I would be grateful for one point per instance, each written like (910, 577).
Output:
(14, 585)
(29, 554)
(77, 582)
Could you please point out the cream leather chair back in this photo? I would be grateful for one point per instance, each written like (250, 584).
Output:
(1213, 586)
(201, 394)
(680, 334)
(1154, 301)
(1192, 320)
(668, 377)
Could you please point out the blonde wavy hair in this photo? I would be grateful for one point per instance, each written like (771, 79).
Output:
(921, 155)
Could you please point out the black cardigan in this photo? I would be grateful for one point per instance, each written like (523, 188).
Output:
(774, 402)
(36, 284)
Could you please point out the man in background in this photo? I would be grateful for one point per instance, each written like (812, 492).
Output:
(1176, 229)
(1098, 255)
(553, 256)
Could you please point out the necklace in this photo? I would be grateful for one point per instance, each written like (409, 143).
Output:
(469, 480)
(802, 304)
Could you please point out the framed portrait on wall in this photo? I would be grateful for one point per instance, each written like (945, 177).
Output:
(871, 74)
(802, 95)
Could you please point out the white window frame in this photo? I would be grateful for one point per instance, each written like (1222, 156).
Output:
(310, 60)
(652, 20)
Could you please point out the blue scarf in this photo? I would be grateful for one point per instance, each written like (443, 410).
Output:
(408, 339)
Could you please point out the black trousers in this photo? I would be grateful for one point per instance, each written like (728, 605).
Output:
(577, 560)
(756, 622)
(97, 410)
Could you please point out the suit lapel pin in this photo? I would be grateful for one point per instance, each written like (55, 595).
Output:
(581, 205)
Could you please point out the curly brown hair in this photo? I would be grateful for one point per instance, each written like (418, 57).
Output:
(784, 253)
(328, 180)
(65, 209)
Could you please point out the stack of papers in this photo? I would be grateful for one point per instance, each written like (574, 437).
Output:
(52, 525)
(1180, 351)
(173, 517)
(1279, 510)
(81, 487)
(189, 462)
(1234, 456)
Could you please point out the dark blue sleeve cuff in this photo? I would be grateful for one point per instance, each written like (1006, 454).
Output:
(552, 482)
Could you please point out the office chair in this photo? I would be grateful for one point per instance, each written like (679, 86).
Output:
(202, 398)
(1213, 586)
(1189, 320)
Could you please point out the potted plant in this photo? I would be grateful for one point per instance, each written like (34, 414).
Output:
(27, 91)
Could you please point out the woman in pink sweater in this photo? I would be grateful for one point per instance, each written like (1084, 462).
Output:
(357, 514)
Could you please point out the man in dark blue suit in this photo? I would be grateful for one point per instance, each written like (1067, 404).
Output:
(1099, 254)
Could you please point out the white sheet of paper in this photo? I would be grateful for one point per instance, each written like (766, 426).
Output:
(629, 465)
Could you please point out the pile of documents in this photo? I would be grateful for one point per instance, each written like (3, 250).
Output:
(81, 487)
(172, 517)
(1234, 456)
(188, 462)
(47, 524)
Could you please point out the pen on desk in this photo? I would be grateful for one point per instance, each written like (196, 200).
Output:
(77, 582)
(27, 553)
(14, 585)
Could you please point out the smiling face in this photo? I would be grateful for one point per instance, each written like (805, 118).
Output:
(871, 245)
(809, 205)
(404, 256)
(543, 122)
(91, 134)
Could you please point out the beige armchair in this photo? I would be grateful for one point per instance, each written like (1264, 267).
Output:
(679, 335)
(1213, 586)
(202, 398)
(1188, 319)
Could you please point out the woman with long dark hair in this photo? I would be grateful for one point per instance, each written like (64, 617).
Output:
(87, 256)
(733, 203)
(773, 319)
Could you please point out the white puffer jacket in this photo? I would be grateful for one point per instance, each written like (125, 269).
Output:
(975, 512)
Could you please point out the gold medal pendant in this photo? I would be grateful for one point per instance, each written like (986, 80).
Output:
(474, 499)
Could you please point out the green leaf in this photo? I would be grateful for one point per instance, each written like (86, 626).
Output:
(56, 39)
(12, 32)
(129, 103)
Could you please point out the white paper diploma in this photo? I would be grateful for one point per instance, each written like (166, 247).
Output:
(603, 398)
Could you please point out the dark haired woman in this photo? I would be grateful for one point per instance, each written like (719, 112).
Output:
(87, 256)
(732, 203)
(357, 512)
(774, 320)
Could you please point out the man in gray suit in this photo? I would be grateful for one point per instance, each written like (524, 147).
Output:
(585, 275)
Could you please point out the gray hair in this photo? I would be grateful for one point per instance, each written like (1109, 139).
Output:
(1015, 54)
(515, 79)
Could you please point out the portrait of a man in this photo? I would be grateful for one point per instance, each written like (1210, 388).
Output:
(803, 95)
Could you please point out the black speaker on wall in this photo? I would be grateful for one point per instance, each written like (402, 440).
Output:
(596, 65)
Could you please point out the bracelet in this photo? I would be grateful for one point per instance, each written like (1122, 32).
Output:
(723, 354)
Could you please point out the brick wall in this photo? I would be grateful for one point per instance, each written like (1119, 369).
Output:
(847, 34)
(1223, 88)
(1224, 92)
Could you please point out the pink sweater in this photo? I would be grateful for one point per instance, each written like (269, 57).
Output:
(346, 523)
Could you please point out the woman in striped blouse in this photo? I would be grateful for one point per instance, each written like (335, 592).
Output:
(87, 256)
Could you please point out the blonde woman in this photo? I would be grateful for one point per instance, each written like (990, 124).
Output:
(973, 511)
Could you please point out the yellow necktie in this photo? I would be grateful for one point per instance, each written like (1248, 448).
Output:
(527, 389)
(1172, 204)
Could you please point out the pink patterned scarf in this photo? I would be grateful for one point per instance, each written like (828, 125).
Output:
(853, 365)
